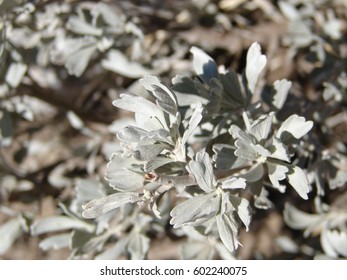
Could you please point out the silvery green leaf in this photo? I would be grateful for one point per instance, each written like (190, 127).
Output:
(261, 127)
(137, 104)
(215, 97)
(80, 55)
(117, 62)
(260, 150)
(202, 89)
(234, 183)
(194, 208)
(298, 219)
(56, 242)
(232, 88)
(131, 134)
(243, 209)
(149, 123)
(281, 92)
(255, 174)
(255, 64)
(79, 26)
(298, 180)
(334, 243)
(58, 223)
(326, 244)
(15, 74)
(193, 233)
(9, 232)
(294, 126)
(227, 231)
(124, 179)
(88, 189)
(159, 135)
(149, 152)
(185, 91)
(277, 173)
(100, 206)
(202, 170)
(165, 98)
(279, 150)
(157, 162)
(225, 157)
(183, 84)
(262, 201)
(204, 65)
(243, 143)
(138, 246)
(194, 121)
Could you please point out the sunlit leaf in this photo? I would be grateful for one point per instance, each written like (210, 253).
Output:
(204, 65)
(194, 208)
(334, 243)
(194, 121)
(131, 134)
(277, 173)
(228, 232)
(9, 232)
(279, 150)
(165, 98)
(56, 242)
(298, 180)
(243, 209)
(100, 206)
(137, 104)
(202, 170)
(261, 127)
(294, 126)
(255, 64)
(281, 88)
(58, 223)
(15, 74)
(117, 62)
(148, 152)
(234, 183)
(124, 179)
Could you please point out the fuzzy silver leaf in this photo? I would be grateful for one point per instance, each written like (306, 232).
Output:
(255, 64)
(100, 206)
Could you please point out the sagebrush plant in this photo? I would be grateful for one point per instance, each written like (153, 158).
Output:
(204, 155)
(200, 154)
